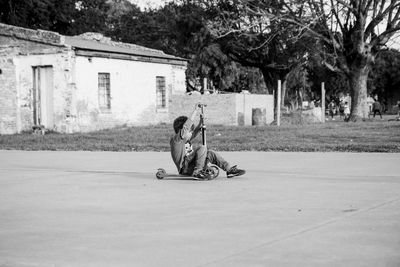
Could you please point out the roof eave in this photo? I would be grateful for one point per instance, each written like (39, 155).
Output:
(129, 56)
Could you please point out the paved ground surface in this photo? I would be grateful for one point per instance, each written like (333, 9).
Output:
(290, 209)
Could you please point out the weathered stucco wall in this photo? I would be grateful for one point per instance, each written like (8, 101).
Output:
(225, 109)
(8, 95)
(74, 85)
(15, 87)
(133, 92)
(248, 105)
(63, 87)
(220, 107)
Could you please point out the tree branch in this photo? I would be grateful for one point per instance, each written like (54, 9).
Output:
(381, 16)
(346, 5)
(270, 37)
(384, 37)
(335, 13)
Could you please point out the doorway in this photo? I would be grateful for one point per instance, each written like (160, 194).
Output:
(43, 104)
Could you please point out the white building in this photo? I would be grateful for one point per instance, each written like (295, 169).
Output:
(82, 83)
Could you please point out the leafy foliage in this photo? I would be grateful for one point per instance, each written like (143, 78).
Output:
(238, 45)
(384, 77)
(249, 34)
(349, 34)
(66, 17)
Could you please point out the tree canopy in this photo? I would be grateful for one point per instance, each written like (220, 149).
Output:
(350, 34)
(246, 44)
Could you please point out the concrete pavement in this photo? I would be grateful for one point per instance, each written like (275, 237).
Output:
(108, 209)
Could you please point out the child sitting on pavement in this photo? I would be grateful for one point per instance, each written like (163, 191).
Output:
(191, 161)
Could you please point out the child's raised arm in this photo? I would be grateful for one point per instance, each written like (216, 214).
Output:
(194, 112)
(196, 131)
(186, 131)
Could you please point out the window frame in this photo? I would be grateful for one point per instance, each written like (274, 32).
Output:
(161, 93)
(104, 90)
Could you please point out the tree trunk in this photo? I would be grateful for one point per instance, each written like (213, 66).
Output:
(358, 85)
(269, 80)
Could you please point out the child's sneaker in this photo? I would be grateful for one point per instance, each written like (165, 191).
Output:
(234, 171)
(201, 175)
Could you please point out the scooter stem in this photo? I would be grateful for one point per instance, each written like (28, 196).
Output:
(203, 126)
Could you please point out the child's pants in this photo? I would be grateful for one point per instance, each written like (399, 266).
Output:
(198, 159)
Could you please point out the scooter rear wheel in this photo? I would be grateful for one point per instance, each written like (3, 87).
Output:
(161, 173)
(213, 171)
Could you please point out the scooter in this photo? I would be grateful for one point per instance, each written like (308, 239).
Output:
(212, 170)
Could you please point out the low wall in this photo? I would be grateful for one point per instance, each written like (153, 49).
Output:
(225, 109)
(313, 115)
(248, 105)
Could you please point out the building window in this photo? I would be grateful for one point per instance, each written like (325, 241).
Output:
(104, 91)
(161, 92)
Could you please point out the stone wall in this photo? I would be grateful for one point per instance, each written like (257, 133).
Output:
(224, 109)
(220, 107)
(16, 114)
(133, 92)
(8, 96)
(62, 88)
(251, 105)
(75, 85)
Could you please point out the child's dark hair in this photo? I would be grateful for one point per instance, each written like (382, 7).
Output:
(179, 122)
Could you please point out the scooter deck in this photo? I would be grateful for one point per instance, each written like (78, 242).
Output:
(161, 174)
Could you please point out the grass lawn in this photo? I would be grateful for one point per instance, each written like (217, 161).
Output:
(370, 136)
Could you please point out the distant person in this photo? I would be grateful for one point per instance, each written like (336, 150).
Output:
(376, 108)
(398, 112)
(347, 99)
(332, 109)
(398, 108)
(346, 111)
(193, 161)
(370, 102)
(341, 109)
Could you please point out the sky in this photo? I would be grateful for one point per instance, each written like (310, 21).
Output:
(395, 42)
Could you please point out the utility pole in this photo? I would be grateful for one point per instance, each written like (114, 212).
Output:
(323, 102)
(278, 104)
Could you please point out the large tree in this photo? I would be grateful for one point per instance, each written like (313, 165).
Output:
(347, 35)
(249, 33)
(350, 34)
